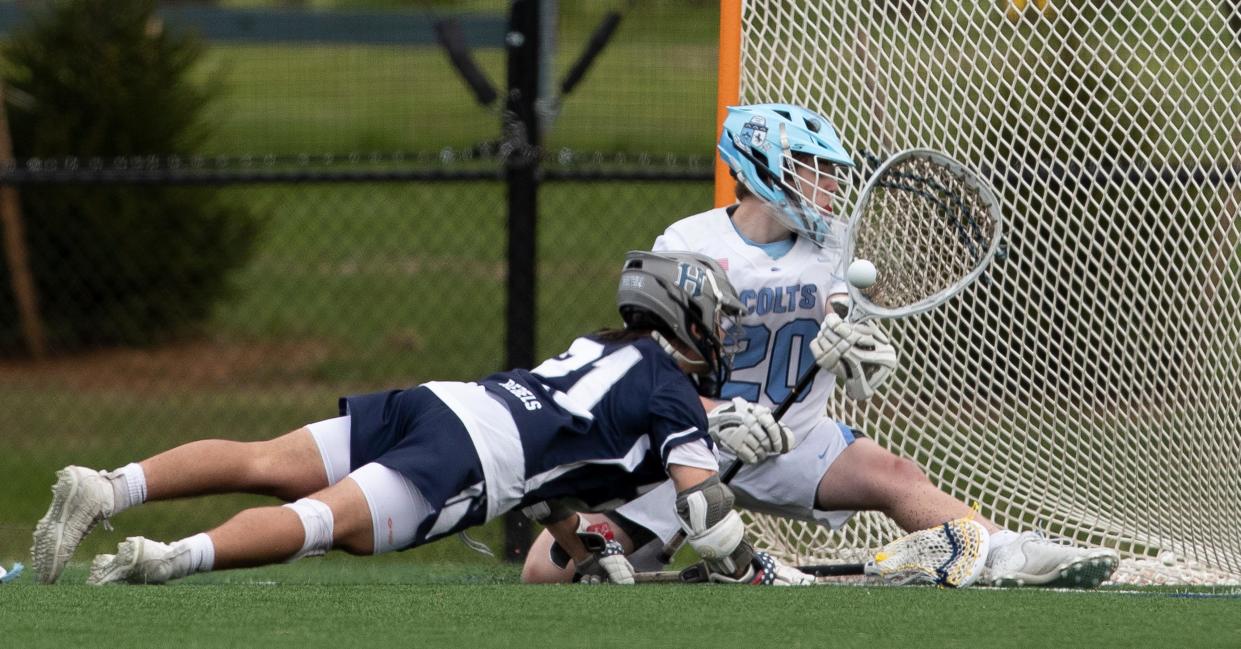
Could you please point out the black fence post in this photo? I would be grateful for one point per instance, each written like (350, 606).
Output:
(521, 131)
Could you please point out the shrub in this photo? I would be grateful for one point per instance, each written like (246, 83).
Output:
(115, 264)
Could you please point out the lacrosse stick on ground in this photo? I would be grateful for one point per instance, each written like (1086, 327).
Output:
(951, 555)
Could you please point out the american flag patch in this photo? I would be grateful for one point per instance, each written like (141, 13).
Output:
(723, 262)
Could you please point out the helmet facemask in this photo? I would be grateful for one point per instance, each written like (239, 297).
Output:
(716, 347)
(791, 159)
(816, 198)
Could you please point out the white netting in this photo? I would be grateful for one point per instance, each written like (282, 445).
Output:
(1089, 384)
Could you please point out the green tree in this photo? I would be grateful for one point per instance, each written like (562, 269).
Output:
(106, 80)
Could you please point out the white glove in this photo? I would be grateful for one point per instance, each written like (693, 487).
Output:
(766, 570)
(861, 353)
(748, 430)
(607, 566)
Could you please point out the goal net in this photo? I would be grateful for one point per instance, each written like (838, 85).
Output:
(1090, 384)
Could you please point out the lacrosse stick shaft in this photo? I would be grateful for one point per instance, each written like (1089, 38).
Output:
(834, 569)
(660, 577)
(697, 573)
(803, 384)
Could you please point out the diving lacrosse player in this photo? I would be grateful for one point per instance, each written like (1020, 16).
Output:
(780, 245)
(403, 468)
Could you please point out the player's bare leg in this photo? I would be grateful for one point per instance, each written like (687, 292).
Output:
(336, 517)
(867, 477)
(266, 535)
(288, 467)
(539, 567)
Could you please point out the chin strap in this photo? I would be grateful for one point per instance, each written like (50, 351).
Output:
(696, 366)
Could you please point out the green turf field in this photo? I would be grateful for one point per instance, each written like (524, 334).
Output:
(351, 602)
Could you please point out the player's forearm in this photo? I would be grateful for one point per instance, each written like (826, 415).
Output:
(564, 532)
(688, 477)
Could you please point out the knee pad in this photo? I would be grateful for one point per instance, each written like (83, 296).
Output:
(317, 521)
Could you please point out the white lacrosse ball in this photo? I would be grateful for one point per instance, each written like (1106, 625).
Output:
(862, 274)
(1168, 558)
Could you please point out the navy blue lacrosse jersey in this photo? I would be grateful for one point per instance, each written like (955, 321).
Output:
(598, 422)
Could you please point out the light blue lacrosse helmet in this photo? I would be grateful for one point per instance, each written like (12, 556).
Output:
(757, 143)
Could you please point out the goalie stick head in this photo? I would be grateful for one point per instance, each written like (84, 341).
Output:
(685, 297)
(792, 159)
(952, 555)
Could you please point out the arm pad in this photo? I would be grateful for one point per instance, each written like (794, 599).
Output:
(713, 528)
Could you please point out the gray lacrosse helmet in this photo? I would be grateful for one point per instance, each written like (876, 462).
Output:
(683, 296)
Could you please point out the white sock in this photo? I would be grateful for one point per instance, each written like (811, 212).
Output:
(999, 539)
(129, 487)
(201, 553)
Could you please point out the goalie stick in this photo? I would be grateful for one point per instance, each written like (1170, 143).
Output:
(930, 225)
(951, 555)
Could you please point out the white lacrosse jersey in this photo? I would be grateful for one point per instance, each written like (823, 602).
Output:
(786, 301)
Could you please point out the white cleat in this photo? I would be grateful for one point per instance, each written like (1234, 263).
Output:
(140, 560)
(1033, 560)
(81, 498)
